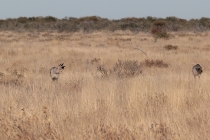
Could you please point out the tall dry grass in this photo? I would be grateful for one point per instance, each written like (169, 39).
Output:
(159, 103)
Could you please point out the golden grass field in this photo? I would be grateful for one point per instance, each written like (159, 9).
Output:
(160, 103)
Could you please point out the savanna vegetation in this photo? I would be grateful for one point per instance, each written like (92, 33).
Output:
(95, 23)
(118, 83)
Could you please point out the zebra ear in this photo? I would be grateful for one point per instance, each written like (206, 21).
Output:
(61, 64)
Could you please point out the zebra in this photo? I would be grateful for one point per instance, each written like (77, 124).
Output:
(197, 70)
(55, 72)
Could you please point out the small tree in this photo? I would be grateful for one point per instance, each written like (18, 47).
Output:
(159, 29)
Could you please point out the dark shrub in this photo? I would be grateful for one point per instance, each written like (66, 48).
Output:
(159, 29)
(170, 47)
(155, 63)
(22, 19)
(128, 68)
(205, 22)
(50, 19)
(105, 72)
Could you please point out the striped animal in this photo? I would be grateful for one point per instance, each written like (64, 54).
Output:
(197, 70)
(55, 72)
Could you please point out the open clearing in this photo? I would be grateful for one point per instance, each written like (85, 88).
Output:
(108, 89)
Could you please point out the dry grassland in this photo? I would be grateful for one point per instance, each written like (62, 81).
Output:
(108, 90)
